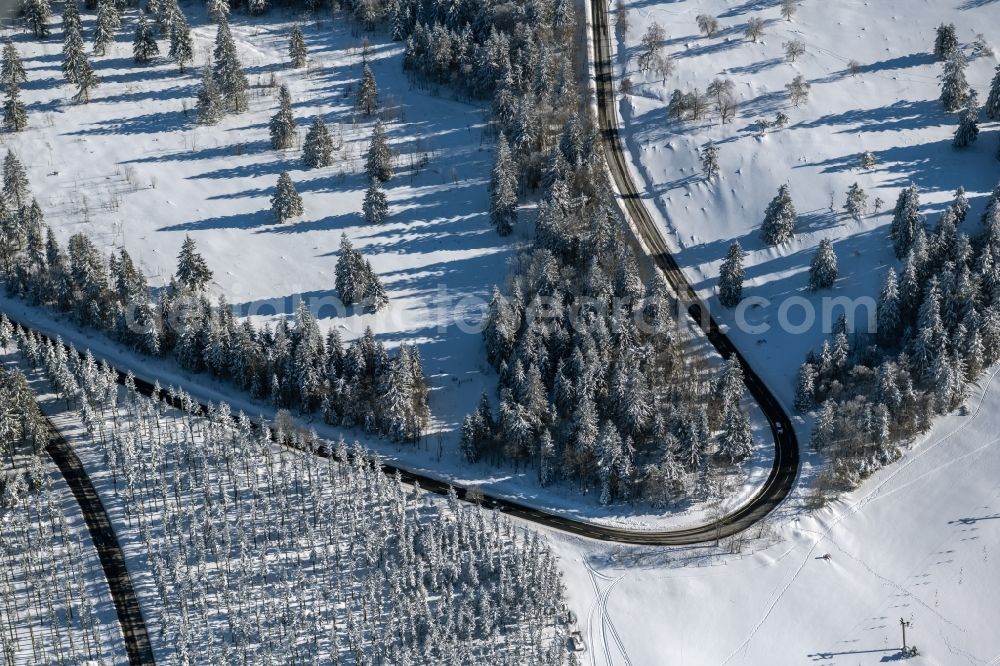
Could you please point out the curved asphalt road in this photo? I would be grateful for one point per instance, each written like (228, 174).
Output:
(786, 455)
(137, 645)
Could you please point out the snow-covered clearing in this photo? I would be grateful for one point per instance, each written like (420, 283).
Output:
(890, 107)
(918, 540)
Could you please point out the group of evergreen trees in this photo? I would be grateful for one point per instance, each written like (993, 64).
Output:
(956, 93)
(224, 83)
(938, 328)
(264, 554)
(290, 364)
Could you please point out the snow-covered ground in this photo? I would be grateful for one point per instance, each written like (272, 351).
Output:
(918, 541)
(890, 108)
(132, 169)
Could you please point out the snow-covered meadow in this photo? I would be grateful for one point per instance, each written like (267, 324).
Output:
(133, 169)
(917, 541)
(889, 107)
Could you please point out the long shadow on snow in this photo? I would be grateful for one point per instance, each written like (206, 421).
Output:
(150, 123)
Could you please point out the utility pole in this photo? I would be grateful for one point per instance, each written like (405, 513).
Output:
(904, 624)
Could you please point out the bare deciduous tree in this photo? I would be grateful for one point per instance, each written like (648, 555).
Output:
(709, 25)
(651, 45)
(794, 49)
(798, 90)
(754, 29)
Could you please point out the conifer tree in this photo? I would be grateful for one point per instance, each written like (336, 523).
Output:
(503, 189)
(805, 390)
(317, 150)
(857, 202)
(889, 320)
(731, 277)
(181, 42)
(779, 219)
(107, 24)
(86, 80)
(73, 52)
(350, 275)
(144, 46)
(379, 161)
(228, 72)
(218, 11)
(992, 107)
(285, 202)
(906, 219)
(367, 91)
(15, 115)
(209, 105)
(374, 296)
(15, 182)
(282, 124)
(36, 16)
(946, 41)
(375, 206)
(823, 270)
(954, 86)
(968, 125)
(297, 48)
(192, 269)
(11, 68)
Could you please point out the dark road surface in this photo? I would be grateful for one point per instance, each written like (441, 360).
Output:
(108, 550)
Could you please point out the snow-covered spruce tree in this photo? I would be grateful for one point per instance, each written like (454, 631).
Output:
(282, 125)
(107, 24)
(867, 160)
(779, 219)
(11, 68)
(228, 70)
(257, 7)
(15, 115)
(992, 107)
(367, 91)
(906, 220)
(317, 149)
(36, 16)
(209, 105)
(181, 42)
(297, 48)
(86, 81)
(823, 270)
(805, 388)
(954, 86)
(710, 160)
(218, 11)
(857, 202)
(968, 125)
(144, 46)
(285, 202)
(375, 207)
(378, 164)
(16, 189)
(503, 189)
(946, 41)
(165, 14)
(731, 277)
(73, 52)
(889, 317)
(193, 272)
(350, 278)
(374, 297)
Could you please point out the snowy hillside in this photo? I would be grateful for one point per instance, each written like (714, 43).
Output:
(133, 169)
(889, 107)
(918, 540)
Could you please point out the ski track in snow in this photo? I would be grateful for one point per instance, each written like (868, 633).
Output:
(872, 495)
(601, 602)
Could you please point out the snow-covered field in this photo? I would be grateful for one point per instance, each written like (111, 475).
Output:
(133, 169)
(919, 540)
(890, 108)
